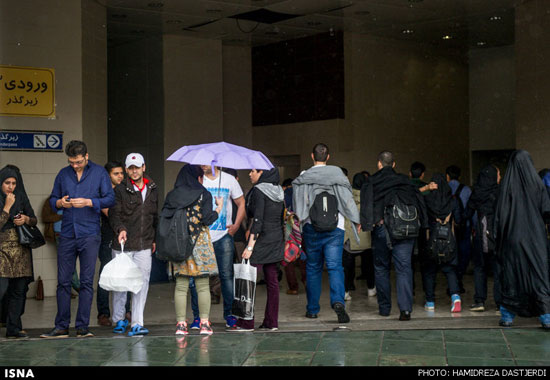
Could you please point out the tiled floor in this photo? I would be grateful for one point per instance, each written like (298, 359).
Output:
(436, 338)
(468, 347)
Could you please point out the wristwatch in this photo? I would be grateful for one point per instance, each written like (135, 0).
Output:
(249, 248)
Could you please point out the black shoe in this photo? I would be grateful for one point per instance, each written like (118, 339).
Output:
(340, 310)
(84, 333)
(280, 275)
(18, 335)
(56, 333)
(478, 306)
(384, 313)
(405, 315)
(311, 315)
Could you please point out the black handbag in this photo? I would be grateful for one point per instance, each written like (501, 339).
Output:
(30, 236)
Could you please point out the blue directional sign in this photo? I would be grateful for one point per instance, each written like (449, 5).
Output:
(31, 141)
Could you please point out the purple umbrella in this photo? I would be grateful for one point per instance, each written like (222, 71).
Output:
(222, 154)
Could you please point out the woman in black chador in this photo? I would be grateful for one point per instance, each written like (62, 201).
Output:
(521, 243)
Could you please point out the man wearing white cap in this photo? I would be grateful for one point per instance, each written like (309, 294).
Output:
(134, 220)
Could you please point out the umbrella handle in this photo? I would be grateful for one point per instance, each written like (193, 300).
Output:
(220, 182)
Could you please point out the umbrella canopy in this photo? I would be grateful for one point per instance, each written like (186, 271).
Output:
(222, 154)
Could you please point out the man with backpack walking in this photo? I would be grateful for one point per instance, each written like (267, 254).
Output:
(134, 219)
(394, 210)
(322, 198)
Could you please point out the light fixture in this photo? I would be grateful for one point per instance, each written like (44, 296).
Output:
(407, 31)
(447, 37)
(481, 43)
(495, 18)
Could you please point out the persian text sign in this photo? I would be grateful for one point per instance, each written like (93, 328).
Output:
(31, 140)
(27, 91)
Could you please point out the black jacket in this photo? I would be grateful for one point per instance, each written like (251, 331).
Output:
(268, 225)
(139, 219)
(377, 193)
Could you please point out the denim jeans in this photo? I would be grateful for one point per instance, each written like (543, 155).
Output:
(401, 255)
(323, 247)
(484, 263)
(86, 249)
(194, 298)
(225, 251)
(429, 275)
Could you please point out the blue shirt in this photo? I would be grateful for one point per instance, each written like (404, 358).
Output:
(94, 184)
(464, 197)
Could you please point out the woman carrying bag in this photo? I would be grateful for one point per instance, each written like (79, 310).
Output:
(15, 259)
(190, 194)
(265, 248)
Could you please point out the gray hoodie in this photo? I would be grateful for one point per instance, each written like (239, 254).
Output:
(327, 178)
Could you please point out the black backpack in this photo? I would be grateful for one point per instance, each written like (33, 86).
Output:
(173, 240)
(442, 242)
(324, 212)
(401, 220)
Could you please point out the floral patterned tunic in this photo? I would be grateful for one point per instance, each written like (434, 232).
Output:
(15, 259)
(203, 260)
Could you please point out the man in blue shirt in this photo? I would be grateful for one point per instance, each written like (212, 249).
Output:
(81, 189)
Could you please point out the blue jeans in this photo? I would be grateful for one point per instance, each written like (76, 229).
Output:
(194, 298)
(86, 249)
(225, 251)
(401, 254)
(483, 264)
(323, 247)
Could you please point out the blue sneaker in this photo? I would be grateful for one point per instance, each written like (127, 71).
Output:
(456, 306)
(196, 325)
(120, 327)
(430, 306)
(506, 317)
(138, 330)
(545, 321)
(230, 322)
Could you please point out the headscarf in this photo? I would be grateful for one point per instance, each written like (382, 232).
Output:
(188, 177)
(439, 201)
(358, 180)
(485, 192)
(187, 190)
(268, 184)
(22, 203)
(521, 240)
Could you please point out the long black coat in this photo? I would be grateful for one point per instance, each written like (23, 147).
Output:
(267, 222)
(521, 240)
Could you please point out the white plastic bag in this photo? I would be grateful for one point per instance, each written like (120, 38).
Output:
(244, 285)
(121, 274)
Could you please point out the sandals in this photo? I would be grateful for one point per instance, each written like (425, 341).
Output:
(120, 327)
(138, 330)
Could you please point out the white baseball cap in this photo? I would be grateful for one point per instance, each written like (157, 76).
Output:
(135, 159)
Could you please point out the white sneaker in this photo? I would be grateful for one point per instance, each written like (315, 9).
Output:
(347, 297)
(372, 292)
